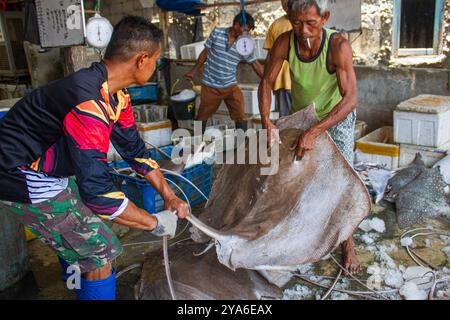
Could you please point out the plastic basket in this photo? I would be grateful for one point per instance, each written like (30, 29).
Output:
(141, 193)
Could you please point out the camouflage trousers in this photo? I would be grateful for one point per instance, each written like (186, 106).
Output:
(70, 228)
(343, 136)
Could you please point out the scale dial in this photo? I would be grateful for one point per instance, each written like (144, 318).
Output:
(98, 31)
(245, 45)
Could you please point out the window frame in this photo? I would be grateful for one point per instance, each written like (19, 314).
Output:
(437, 32)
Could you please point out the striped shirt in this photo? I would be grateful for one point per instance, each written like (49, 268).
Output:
(42, 187)
(222, 62)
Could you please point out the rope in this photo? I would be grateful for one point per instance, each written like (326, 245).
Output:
(413, 255)
(357, 280)
(244, 18)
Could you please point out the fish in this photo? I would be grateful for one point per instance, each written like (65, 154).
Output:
(199, 278)
(280, 221)
(418, 193)
(403, 177)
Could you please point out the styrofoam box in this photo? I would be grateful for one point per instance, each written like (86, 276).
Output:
(192, 51)
(378, 148)
(360, 129)
(423, 121)
(430, 155)
(251, 105)
(156, 133)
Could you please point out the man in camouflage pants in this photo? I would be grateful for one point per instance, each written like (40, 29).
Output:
(54, 174)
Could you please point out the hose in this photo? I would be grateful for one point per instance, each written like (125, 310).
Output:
(165, 247)
(167, 267)
(158, 149)
(185, 179)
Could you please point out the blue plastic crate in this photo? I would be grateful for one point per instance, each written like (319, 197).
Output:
(3, 112)
(144, 196)
(143, 94)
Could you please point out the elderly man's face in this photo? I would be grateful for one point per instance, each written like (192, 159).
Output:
(308, 23)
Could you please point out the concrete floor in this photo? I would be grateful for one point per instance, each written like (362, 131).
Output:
(44, 282)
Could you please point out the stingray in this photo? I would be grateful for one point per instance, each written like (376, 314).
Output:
(297, 216)
(419, 193)
(200, 278)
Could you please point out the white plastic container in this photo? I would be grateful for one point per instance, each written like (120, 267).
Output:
(156, 133)
(190, 124)
(260, 52)
(423, 121)
(256, 123)
(378, 148)
(155, 112)
(186, 124)
(139, 114)
(192, 51)
(430, 155)
(251, 105)
(444, 167)
(222, 119)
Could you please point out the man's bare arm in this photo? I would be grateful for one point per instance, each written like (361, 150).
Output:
(258, 68)
(172, 202)
(342, 59)
(138, 218)
(200, 62)
(277, 55)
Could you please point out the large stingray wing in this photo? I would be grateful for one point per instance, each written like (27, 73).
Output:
(298, 215)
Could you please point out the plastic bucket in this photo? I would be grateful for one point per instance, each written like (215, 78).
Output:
(185, 109)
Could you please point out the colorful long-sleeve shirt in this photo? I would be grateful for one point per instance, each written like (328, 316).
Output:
(64, 129)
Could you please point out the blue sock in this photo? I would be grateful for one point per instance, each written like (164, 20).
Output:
(104, 289)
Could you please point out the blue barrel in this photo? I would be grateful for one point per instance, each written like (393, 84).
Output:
(13, 250)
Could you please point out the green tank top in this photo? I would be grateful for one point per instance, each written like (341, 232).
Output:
(311, 79)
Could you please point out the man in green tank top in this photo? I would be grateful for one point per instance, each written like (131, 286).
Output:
(322, 73)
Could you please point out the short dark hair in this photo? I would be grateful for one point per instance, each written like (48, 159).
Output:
(250, 21)
(132, 35)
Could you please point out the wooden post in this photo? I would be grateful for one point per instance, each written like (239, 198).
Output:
(164, 25)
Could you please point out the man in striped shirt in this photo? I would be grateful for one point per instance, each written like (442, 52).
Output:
(221, 60)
